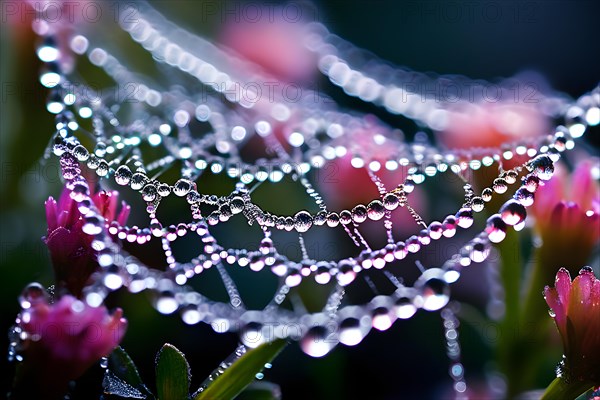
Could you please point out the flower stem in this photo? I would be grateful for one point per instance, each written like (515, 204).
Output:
(559, 389)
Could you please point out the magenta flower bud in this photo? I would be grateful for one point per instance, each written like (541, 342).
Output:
(575, 307)
(567, 218)
(73, 258)
(62, 340)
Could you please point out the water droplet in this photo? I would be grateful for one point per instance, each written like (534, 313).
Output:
(513, 212)
(251, 334)
(346, 273)
(237, 204)
(376, 210)
(359, 214)
(500, 186)
(464, 218)
(496, 228)
(123, 175)
(317, 341)
(32, 294)
(303, 221)
(390, 201)
(477, 204)
(433, 290)
(149, 192)
(531, 183)
(92, 224)
(79, 192)
(479, 252)
(81, 153)
(345, 217)
(163, 190)
(405, 307)
(322, 275)
(435, 230)
(93, 162)
(100, 150)
(138, 180)
(190, 314)
(333, 220)
(166, 303)
(382, 316)
(524, 196)
(542, 166)
(511, 176)
(182, 187)
(486, 194)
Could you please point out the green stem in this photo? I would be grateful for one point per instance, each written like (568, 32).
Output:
(559, 389)
(508, 340)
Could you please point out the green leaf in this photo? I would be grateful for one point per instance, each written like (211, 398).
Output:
(242, 372)
(559, 389)
(123, 368)
(172, 374)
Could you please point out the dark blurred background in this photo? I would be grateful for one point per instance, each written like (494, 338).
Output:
(480, 39)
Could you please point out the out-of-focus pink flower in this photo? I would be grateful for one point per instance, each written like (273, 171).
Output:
(64, 339)
(567, 216)
(272, 42)
(73, 257)
(576, 310)
(489, 125)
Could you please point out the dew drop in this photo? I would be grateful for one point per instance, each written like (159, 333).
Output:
(376, 210)
(149, 192)
(302, 221)
(182, 187)
(351, 332)
(346, 273)
(433, 292)
(33, 293)
(166, 303)
(92, 225)
(477, 204)
(542, 166)
(404, 307)
(333, 220)
(251, 334)
(317, 342)
(237, 205)
(345, 217)
(496, 228)
(486, 194)
(531, 183)
(163, 190)
(138, 180)
(479, 252)
(513, 212)
(500, 185)
(524, 196)
(390, 201)
(81, 153)
(464, 218)
(359, 214)
(123, 175)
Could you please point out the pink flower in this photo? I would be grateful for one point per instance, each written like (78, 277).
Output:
(272, 42)
(575, 307)
(567, 217)
(492, 124)
(73, 257)
(64, 339)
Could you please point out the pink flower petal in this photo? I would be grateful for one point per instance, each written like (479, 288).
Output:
(563, 286)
